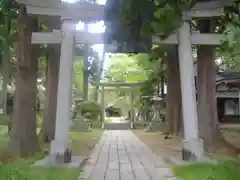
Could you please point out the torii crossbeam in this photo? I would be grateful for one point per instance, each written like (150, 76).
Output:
(70, 14)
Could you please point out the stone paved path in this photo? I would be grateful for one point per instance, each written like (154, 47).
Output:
(120, 155)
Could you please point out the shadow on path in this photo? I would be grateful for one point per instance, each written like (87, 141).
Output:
(120, 155)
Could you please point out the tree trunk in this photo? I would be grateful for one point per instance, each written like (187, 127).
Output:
(85, 72)
(99, 78)
(49, 119)
(174, 102)
(162, 83)
(23, 136)
(207, 106)
(6, 64)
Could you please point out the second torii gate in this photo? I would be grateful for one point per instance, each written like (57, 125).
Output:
(103, 86)
(67, 37)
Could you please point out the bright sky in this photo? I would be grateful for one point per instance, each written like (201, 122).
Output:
(98, 27)
(74, 1)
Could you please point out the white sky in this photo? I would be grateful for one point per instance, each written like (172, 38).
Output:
(74, 1)
(98, 27)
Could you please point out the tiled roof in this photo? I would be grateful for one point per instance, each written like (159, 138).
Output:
(228, 77)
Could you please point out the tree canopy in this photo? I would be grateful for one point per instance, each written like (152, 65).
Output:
(230, 51)
(124, 68)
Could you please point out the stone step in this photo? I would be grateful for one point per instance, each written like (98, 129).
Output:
(117, 126)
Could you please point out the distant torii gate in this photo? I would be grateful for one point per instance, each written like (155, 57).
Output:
(67, 37)
(102, 86)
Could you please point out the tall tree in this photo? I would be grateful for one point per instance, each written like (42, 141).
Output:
(207, 106)
(174, 101)
(49, 118)
(166, 19)
(8, 14)
(23, 137)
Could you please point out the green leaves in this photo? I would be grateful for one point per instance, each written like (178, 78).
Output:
(126, 69)
(78, 72)
(90, 110)
(230, 48)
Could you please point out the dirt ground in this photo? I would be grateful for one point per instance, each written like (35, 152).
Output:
(84, 142)
(160, 146)
(233, 137)
(172, 147)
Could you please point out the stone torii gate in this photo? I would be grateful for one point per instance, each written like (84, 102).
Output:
(103, 86)
(67, 36)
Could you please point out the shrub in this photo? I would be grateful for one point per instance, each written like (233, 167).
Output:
(90, 110)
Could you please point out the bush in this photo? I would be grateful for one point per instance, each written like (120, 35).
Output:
(90, 110)
(4, 120)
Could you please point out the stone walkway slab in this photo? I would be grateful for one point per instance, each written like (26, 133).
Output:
(120, 155)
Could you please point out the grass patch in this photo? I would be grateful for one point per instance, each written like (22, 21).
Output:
(224, 170)
(3, 138)
(159, 145)
(4, 119)
(84, 142)
(20, 171)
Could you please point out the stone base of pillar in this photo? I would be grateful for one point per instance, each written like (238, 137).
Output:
(61, 152)
(131, 125)
(192, 150)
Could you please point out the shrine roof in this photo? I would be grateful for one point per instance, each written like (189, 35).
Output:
(228, 77)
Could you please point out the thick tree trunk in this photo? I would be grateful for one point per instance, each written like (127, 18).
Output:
(49, 119)
(162, 83)
(174, 102)
(6, 64)
(23, 136)
(207, 106)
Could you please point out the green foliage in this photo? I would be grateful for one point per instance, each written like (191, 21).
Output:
(130, 69)
(157, 70)
(230, 48)
(90, 110)
(8, 23)
(8, 8)
(124, 68)
(165, 19)
(78, 73)
(110, 96)
(23, 172)
(225, 170)
(121, 103)
(229, 25)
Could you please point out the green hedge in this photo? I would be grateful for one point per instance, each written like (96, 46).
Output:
(90, 110)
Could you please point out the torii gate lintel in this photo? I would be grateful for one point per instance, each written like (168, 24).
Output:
(68, 37)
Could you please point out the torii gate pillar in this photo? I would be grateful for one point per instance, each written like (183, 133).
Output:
(60, 146)
(193, 148)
